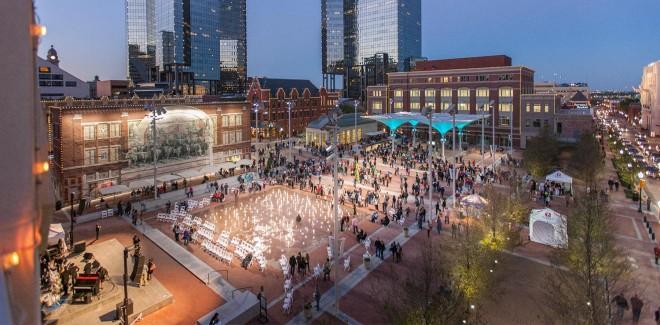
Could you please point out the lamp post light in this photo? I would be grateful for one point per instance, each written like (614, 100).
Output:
(428, 111)
(155, 113)
(333, 116)
(256, 106)
(641, 185)
(492, 145)
(290, 105)
(452, 111)
(443, 140)
(355, 106)
(72, 215)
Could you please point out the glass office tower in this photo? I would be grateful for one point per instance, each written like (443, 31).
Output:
(140, 34)
(233, 46)
(188, 45)
(363, 32)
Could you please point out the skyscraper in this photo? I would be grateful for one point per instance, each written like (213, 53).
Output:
(364, 33)
(233, 46)
(140, 34)
(197, 46)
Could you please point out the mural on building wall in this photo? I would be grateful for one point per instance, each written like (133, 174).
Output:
(182, 133)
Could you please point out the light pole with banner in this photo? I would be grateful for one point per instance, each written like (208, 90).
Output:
(452, 112)
(428, 112)
(290, 105)
(256, 105)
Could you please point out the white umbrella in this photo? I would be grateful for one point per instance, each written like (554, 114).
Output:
(474, 200)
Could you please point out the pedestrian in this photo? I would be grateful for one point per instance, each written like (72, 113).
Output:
(657, 316)
(398, 253)
(317, 297)
(656, 251)
(98, 231)
(428, 229)
(621, 305)
(292, 265)
(438, 225)
(151, 267)
(637, 305)
(453, 230)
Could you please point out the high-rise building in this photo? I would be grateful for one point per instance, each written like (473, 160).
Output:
(198, 47)
(233, 47)
(649, 91)
(140, 34)
(368, 31)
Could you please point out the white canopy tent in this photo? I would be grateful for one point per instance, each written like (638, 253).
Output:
(55, 232)
(168, 178)
(190, 173)
(560, 177)
(548, 227)
(114, 189)
(244, 162)
(474, 200)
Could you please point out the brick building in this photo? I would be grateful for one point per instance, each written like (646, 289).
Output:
(100, 143)
(547, 110)
(309, 103)
(469, 84)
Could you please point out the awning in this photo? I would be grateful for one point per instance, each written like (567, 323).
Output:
(141, 183)
(167, 178)
(228, 165)
(55, 232)
(189, 173)
(374, 133)
(244, 162)
(114, 189)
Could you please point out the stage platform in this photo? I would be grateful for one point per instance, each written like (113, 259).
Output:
(101, 310)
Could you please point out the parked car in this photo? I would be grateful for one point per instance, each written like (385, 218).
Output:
(652, 172)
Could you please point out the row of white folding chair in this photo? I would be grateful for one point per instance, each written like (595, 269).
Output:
(197, 221)
(240, 252)
(192, 204)
(261, 260)
(188, 221)
(107, 213)
(218, 251)
(288, 301)
(317, 271)
(209, 225)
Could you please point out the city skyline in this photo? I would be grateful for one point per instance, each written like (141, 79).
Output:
(566, 42)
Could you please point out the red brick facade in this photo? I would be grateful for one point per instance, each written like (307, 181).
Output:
(70, 140)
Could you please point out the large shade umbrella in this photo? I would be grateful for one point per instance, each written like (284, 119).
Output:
(474, 201)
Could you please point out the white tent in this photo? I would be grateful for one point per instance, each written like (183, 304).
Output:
(55, 232)
(141, 183)
(114, 189)
(474, 200)
(559, 177)
(548, 227)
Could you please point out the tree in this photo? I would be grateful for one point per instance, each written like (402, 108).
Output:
(587, 160)
(425, 294)
(588, 268)
(502, 218)
(541, 153)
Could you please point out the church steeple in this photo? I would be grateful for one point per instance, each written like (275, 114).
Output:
(52, 56)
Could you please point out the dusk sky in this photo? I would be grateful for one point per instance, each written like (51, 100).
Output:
(605, 43)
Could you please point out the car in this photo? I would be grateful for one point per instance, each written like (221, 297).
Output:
(638, 158)
(652, 172)
(655, 157)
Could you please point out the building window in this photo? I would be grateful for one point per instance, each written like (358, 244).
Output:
(545, 123)
(505, 107)
(506, 77)
(114, 153)
(398, 93)
(482, 92)
(377, 105)
(429, 94)
(546, 108)
(230, 120)
(115, 130)
(444, 106)
(414, 93)
(445, 93)
(103, 155)
(90, 177)
(70, 84)
(537, 108)
(102, 131)
(376, 93)
(463, 106)
(482, 78)
(463, 92)
(504, 120)
(414, 106)
(536, 123)
(88, 131)
(506, 92)
(431, 105)
(398, 105)
(90, 156)
(528, 107)
(464, 78)
(528, 123)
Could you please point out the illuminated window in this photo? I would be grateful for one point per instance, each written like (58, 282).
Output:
(506, 107)
(445, 79)
(506, 92)
(376, 93)
(463, 106)
(537, 108)
(546, 108)
(429, 94)
(377, 105)
(398, 93)
(444, 106)
(398, 105)
(103, 155)
(115, 130)
(528, 107)
(90, 156)
(88, 131)
(102, 131)
(482, 92)
(114, 153)
(445, 93)
(431, 105)
(414, 93)
(414, 105)
(463, 92)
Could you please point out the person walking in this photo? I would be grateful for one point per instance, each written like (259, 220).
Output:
(621, 305)
(637, 305)
(292, 265)
(657, 316)
(151, 267)
(656, 252)
(98, 231)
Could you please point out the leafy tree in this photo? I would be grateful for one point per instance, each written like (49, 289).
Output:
(541, 153)
(588, 269)
(587, 161)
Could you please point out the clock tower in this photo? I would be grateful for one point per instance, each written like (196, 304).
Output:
(52, 56)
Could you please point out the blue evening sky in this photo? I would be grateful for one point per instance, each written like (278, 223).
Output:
(603, 42)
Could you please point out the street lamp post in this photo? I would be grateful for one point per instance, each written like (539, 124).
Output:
(452, 111)
(429, 113)
(355, 105)
(334, 117)
(71, 213)
(290, 105)
(255, 106)
(155, 113)
(492, 145)
(641, 185)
